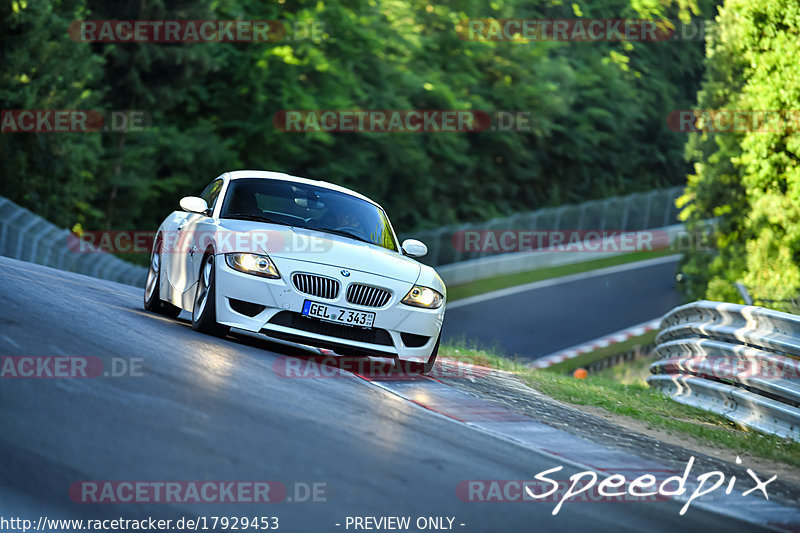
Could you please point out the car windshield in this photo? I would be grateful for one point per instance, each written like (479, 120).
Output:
(307, 206)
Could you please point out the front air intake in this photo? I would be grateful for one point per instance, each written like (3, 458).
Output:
(318, 286)
(367, 295)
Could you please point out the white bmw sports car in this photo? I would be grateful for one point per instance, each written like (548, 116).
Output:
(299, 260)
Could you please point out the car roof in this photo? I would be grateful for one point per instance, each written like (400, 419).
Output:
(265, 174)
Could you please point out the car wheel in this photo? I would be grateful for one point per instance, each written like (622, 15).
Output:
(204, 313)
(428, 366)
(152, 296)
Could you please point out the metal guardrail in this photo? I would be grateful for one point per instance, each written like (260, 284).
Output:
(29, 237)
(634, 212)
(512, 263)
(739, 361)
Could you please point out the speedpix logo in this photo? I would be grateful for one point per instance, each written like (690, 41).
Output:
(588, 487)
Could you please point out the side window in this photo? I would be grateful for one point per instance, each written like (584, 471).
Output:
(211, 193)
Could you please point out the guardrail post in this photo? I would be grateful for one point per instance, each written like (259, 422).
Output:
(5, 224)
(646, 221)
(62, 249)
(581, 215)
(438, 239)
(748, 300)
(51, 241)
(557, 220)
(624, 224)
(21, 237)
(668, 208)
(35, 242)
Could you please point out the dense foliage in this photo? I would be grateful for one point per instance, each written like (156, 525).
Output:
(749, 181)
(598, 108)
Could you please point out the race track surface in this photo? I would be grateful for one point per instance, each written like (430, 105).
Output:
(560, 314)
(215, 409)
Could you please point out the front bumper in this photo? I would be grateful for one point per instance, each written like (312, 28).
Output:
(399, 330)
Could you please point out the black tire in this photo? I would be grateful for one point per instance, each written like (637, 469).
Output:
(152, 296)
(428, 366)
(204, 311)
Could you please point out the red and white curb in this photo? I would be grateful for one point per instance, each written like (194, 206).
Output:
(440, 399)
(614, 338)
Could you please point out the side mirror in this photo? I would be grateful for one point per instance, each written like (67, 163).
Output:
(414, 248)
(194, 204)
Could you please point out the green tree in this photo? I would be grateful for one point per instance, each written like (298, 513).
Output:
(748, 181)
(179, 150)
(597, 109)
(53, 174)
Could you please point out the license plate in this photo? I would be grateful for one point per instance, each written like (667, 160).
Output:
(339, 315)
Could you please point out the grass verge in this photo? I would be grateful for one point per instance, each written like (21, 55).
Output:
(637, 401)
(456, 292)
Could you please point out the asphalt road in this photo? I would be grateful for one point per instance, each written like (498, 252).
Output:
(560, 314)
(212, 409)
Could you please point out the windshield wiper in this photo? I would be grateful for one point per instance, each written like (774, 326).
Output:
(255, 218)
(344, 234)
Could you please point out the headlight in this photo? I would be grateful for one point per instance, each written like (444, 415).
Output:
(258, 265)
(423, 297)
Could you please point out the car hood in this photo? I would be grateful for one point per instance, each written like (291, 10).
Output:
(300, 244)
